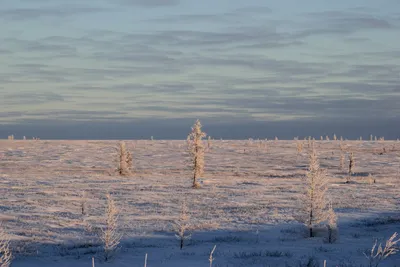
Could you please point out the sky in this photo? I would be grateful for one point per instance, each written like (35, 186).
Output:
(120, 69)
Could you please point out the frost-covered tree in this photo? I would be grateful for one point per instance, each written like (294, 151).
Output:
(315, 185)
(342, 161)
(181, 226)
(5, 251)
(196, 151)
(109, 234)
(351, 163)
(331, 225)
(299, 146)
(124, 160)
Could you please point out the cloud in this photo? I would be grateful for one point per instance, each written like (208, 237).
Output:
(28, 98)
(361, 87)
(244, 62)
(54, 12)
(39, 46)
(340, 22)
(240, 14)
(5, 51)
(321, 107)
(150, 3)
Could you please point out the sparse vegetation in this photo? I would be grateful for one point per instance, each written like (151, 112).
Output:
(331, 225)
(379, 253)
(83, 203)
(196, 151)
(124, 160)
(5, 250)
(313, 203)
(211, 258)
(342, 161)
(110, 235)
(351, 165)
(232, 198)
(299, 146)
(370, 179)
(182, 225)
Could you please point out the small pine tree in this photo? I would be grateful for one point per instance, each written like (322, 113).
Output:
(342, 161)
(299, 145)
(332, 225)
(313, 202)
(196, 151)
(83, 202)
(341, 146)
(109, 235)
(182, 225)
(125, 160)
(351, 163)
(351, 167)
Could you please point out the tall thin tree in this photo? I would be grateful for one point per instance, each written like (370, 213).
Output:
(196, 151)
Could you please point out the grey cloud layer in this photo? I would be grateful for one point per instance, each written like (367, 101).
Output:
(19, 14)
(150, 3)
(228, 70)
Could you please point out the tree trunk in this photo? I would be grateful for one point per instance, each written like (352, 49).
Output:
(195, 173)
(310, 223)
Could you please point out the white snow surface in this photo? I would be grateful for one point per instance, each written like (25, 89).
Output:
(247, 205)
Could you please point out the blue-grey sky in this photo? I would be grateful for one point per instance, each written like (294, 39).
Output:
(82, 64)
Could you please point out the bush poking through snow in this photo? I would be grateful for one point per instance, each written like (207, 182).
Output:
(380, 253)
(314, 203)
(351, 163)
(109, 235)
(370, 179)
(5, 251)
(211, 258)
(182, 225)
(196, 150)
(83, 202)
(125, 160)
(342, 161)
(299, 145)
(351, 167)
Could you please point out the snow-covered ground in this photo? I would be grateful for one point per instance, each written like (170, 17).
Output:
(246, 207)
